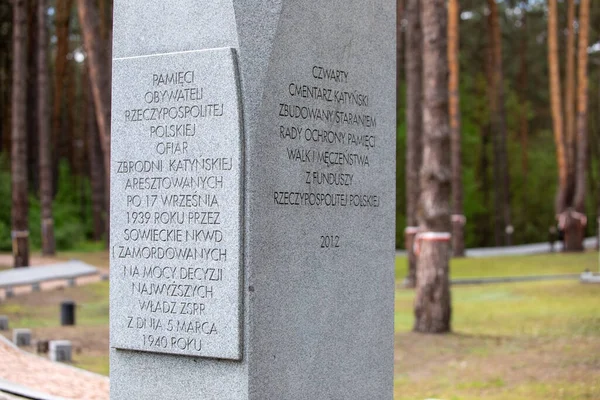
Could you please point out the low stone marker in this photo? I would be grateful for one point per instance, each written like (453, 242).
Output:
(36, 287)
(253, 199)
(589, 277)
(3, 323)
(60, 351)
(42, 346)
(67, 313)
(22, 337)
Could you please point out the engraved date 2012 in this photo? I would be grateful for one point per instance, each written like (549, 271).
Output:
(330, 241)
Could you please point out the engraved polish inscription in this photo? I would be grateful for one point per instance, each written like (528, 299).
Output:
(328, 127)
(176, 203)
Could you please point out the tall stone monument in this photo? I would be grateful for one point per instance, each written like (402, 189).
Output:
(253, 199)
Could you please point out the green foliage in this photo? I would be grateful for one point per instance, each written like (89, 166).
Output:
(543, 264)
(5, 205)
(532, 190)
(71, 210)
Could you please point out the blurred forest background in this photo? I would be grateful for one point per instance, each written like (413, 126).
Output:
(532, 171)
(75, 52)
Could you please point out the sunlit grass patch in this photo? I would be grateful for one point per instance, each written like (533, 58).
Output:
(93, 362)
(544, 264)
(518, 341)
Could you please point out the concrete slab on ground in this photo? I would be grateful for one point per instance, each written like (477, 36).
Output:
(520, 250)
(32, 275)
(21, 392)
(590, 277)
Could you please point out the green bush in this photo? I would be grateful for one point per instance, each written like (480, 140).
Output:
(71, 210)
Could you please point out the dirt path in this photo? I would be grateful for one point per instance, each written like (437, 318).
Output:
(48, 377)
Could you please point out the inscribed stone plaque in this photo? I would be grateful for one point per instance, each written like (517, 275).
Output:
(176, 204)
(317, 84)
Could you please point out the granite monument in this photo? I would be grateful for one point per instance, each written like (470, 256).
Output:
(253, 199)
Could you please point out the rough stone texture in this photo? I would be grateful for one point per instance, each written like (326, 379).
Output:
(22, 337)
(3, 323)
(60, 351)
(201, 316)
(317, 318)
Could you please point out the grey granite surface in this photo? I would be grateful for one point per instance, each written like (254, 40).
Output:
(22, 337)
(176, 204)
(317, 86)
(60, 351)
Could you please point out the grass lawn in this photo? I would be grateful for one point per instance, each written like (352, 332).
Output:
(545, 264)
(41, 312)
(521, 341)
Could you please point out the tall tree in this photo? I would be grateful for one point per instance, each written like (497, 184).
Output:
(62, 22)
(523, 103)
(570, 198)
(99, 75)
(432, 302)
(498, 116)
(556, 103)
(96, 164)
(458, 219)
(43, 116)
(20, 230)
(32, 93)
(414, 128)
(570, 92)
(399, 17)
(582, 111)
(5, 73)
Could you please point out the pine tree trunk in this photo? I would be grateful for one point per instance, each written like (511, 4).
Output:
(45, 156)
(501, 172)
(96, 166)
(489, 226)
(5, 95)
(573, 224)
(97, 62)
(432, 302)
(414, 129)
(32, 94)
(68, 137)
(20, 228)
(582, 107)
(458, 220)
(571, 150)
(556, 102)
(399, 16)
(4, 88)
(523, 81)
(578, 234)
(63, 11)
